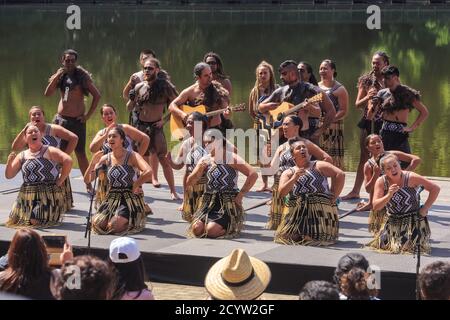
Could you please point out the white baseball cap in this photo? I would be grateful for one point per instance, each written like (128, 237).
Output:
(123, 250)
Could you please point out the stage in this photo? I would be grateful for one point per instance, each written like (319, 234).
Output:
(173, 258)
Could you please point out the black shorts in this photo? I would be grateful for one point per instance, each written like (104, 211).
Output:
(123, 210)
(367, 125)
(215, 215)
(73, 125)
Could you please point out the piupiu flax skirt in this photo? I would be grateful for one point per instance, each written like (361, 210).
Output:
(192, 200)
(220, 207)
(277, 205)
(332, 142)
(400, 234)
(310, 219)
(43, 202)
(111, 205)
(377, 219)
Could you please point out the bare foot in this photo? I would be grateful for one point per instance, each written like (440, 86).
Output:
(180, 208)
(175, 196)
(156, 184)
(264, 189)
(351, 195)
(148, 210)
(363, 206)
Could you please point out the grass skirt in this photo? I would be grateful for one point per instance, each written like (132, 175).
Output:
(192, 200)
(43, 202)
(332, 142)
(228, 207)
(377, 219)
(67, 192)
(309, 220)
(102, 189)
(277, 205)
(400, 235)
(108, 209)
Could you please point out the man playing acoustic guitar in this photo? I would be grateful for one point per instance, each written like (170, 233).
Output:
(205, 92)
(294, 92)
(152, 96)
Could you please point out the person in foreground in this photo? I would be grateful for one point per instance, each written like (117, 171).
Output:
(237, 277)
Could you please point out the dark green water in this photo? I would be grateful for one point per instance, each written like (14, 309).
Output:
(110, 38)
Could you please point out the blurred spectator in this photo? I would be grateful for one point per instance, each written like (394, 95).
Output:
(28, 273)
(85, 278)
(126, 257)
(354, 285)
(434, 281)
(319, 290)
(347, 263)
(237, 277)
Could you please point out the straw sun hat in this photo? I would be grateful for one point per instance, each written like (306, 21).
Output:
(237, 277)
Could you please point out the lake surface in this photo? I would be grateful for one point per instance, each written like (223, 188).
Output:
(33, 37)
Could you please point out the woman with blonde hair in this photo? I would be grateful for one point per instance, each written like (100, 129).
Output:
(264, 86)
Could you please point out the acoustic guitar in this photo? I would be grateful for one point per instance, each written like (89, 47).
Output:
(177, 125)
(286, 108)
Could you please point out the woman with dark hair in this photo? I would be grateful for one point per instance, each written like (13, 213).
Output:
(310, 216)
(220, 213)
(398, 191)
(372, 172)
(99, 146)
(264, 86)
(215, 63)
(28, 273)
(123, 209)
(52, 135)
(307, 73)
(283, 160)
(368, 86)
(332, 140)
(127, 259)
(354, 285)
(40, 202)
(97, 280)
(191, 151)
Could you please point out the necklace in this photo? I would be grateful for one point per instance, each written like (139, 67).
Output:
(36, 153)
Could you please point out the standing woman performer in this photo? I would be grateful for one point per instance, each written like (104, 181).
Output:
(264, 86)
(368, 86)
(123, 209)
(372, 172)
(398, 191)
(311, 215)
(52, 134)
(99, 146)
(191, 151)
(221, 213)
(332, 140)
(40, 202)
(283, 160)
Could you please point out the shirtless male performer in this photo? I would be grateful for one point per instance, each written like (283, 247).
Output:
(152, 95)
(74, 83)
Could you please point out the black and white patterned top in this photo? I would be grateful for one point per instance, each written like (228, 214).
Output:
(120, 175)
(334, 99)
(393, 126)
(312, 181)
(286, 159)
(127, 144)
(48, 139)
(193, 157)
(221, 177)
(405, 200)
(39, 169)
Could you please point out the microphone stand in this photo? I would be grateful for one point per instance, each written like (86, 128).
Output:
(87, 233)
(418, 297)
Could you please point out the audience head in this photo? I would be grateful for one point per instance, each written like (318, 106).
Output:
(319, 290)
(434, 280)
